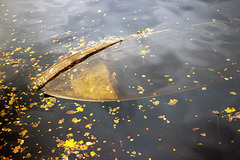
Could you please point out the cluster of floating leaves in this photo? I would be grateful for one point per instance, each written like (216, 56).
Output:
(50, 101)
(79, 148)
(230, 113)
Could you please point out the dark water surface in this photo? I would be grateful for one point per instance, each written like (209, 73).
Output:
(180, 84)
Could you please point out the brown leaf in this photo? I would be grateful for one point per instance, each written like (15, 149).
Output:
(71, 112)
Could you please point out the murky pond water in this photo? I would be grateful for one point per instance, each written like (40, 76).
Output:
(173, 94)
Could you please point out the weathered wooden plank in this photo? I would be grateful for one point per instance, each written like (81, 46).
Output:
(70, 61)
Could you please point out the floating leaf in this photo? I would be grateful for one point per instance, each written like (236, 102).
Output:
(61, 121)
(70, 143)
(16, 149)
(71, 112)
(210, 69)
(75, 120)
(233, 93)
(215, 112)
(83, 147)
(23, 133)
(86, 134)
(89, 143)
(203, 134)
(195, 129)
(89, 126)
(143, 52)
(79, 109)
(172, 102)
(230, 110)
(92, 153)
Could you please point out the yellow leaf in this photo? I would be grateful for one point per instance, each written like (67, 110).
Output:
(89, 126)
(92, 153)
(230, 110)
(23, 133)
(143, 52)
(86, 134)
(70, 143)
(140, 106)
(83, 147)
(116, 120)
(21, 142)
(210, 69)
(75, 120)
(16, 149)
(79, 109)
(61, 121)
(139, 32)
(233, 93)
(27, 49)
(173, 102)
(29, 155)
(203, 134)
(35, 87)
(81, 142)
(69, 135)
(156, 103)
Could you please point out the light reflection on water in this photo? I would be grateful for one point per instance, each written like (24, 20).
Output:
(207, 46)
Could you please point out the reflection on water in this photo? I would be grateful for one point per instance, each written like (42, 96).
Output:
(194, 49)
